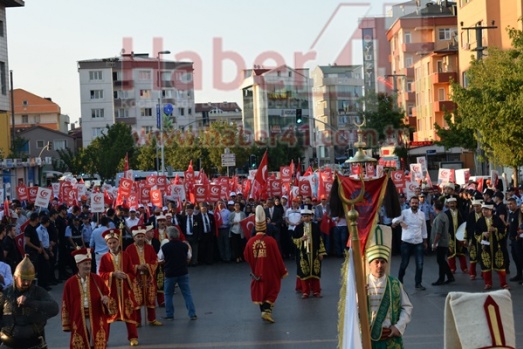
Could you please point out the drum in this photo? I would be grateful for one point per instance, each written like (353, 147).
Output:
(460, 233)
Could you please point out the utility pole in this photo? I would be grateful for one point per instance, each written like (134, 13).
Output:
(478, 29)
(395, 81)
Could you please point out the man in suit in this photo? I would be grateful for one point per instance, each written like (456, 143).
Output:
(191, 230)
(274, 219)
(207, 228)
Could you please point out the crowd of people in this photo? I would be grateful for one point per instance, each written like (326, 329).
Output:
(463, 227)
(126, 259)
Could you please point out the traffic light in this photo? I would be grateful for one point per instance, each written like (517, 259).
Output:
(299, 118)
(253, 160)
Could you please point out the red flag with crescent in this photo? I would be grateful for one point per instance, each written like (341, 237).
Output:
(247, 224)
(369, 206)
(259, 184)
(19, 239)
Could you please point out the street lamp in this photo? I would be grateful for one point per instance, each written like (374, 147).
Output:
(40, 156)
(160, 109)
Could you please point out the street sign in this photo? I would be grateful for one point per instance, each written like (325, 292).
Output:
(431, 152)
(228, 160)
(158, 117)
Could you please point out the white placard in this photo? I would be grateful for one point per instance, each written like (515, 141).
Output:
(97, 202)
(42, 197)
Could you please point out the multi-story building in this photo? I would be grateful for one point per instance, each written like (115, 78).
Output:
(486, 20)
(207, 113)
(411, 37)
(5, 105)
(336, 91)
(130, 89)
(30, 110)
(272, 101)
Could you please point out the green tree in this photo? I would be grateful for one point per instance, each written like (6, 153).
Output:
(456, 134)
(382, 116)
(18, 149)
(492, 102)
(105, 154)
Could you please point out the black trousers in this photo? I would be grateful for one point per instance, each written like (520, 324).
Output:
(444, 269)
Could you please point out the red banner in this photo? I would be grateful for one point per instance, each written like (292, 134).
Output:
(145, 195)
(398, 177)
(32, 193)
(275, 188)
(214, 192)
(21, 192)
(161, 182)
(305, 187)
(285, 174)
(200, 193)
(125, 187)
(369, 207)
(150, 181)
(156, 197)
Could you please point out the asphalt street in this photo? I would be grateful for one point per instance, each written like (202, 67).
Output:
(228, 319)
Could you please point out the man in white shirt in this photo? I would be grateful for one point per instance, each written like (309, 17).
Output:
(413, 239)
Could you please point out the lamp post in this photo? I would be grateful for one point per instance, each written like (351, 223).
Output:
(40, 156)
(160, 109)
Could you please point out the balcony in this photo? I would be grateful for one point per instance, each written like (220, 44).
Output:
(442, 106)
(123, 83)
(410, 96)
(408, 72)
(127, 121)
(124, 103)
(443, 78)
(418, 47)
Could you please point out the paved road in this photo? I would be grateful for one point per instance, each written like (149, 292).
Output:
(228, 319)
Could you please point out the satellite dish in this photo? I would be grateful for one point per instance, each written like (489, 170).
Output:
(168, 109)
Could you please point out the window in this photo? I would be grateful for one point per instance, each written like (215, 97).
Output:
(40, 144)
(2, 28)
(441, 94)
(37, 119)
(97, 113)
(147, 129)
(59, 144)
(145, 94)
(120, 94)
(166, 75)
(146, 111)
(3, 79)
(25, 119)
(167, 93)
(409, 86)
(440, 66)
(408, 61)
(444, 34)
(95, 75)
(97, 94)
(189, 111)
(97, 131)
(144, 75)
(181, 111)
(407, 38)
(409, 110)
(121, 113)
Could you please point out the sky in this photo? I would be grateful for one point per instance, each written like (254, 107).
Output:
(46, 39)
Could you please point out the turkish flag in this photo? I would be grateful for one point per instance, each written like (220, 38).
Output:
(259, 184)
(7, 212)
(247, 224)
(19, 239)
(321, 187)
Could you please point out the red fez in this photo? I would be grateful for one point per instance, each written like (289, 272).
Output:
(81, 255)
(111, 234)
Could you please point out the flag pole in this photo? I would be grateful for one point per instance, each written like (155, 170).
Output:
(351, 215)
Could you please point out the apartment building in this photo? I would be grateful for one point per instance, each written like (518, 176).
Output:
(336, 93)
(134, 89)
(207, 113)
(31, 110)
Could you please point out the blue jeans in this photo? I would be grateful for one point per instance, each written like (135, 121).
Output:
(406, 251)
(341, 235)
(183, 284)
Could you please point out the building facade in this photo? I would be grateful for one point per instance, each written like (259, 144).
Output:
(273, 100)
(207, 113)
(130, 89)
(30, 110)
(336, 93)
(487, 21)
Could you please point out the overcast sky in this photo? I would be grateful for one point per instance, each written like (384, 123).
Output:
(46, 39)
